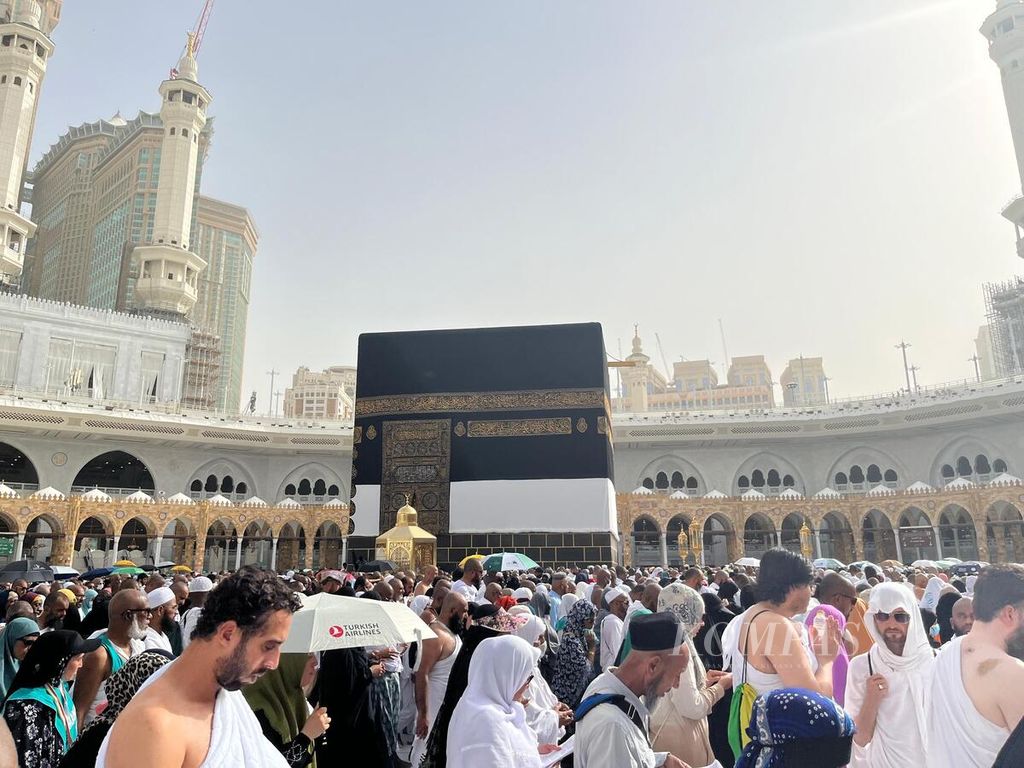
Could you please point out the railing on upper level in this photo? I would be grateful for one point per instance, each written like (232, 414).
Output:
(27, 395)
(899, 400)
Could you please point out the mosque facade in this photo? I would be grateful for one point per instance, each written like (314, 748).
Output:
(921, 477)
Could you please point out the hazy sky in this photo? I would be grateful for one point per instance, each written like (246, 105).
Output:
(825, 177)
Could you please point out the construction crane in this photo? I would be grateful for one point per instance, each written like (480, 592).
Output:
(664, 360)
(195, 37)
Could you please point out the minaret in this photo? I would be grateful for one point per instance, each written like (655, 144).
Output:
(1004, 30)
(637, 377)
(168, 269)
(24, 51)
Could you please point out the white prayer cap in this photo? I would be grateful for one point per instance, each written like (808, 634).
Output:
(159, 596)
(200, 584)
(523, 593)
(617, 592)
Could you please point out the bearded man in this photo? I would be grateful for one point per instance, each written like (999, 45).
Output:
(193, 712)
(122, 639)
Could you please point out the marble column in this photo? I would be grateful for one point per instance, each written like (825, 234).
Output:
(663, 543)
(899, 549)
(238, 553)
(273, 554)
(817, 543)
(19, 548)
(938, 541)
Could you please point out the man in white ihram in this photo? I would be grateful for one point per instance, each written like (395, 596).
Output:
(976, 698)
(887, 687)
(191, 713)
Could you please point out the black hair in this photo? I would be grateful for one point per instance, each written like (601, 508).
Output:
(781, 571)
(748, 596)
(997, 587)
(247, 597)
(370, 595)
(870, 572)
(727, 590)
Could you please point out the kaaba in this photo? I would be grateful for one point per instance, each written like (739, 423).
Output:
(502, 436)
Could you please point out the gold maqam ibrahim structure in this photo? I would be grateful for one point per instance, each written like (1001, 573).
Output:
(407, 545)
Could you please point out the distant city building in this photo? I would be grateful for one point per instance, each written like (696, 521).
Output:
(694, 385)
(226, 239)
(804, 382)
(324, 396)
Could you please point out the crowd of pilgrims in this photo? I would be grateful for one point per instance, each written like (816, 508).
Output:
(595, 667)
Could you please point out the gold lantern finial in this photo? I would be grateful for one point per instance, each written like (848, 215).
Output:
(407, 515)
(805, 540)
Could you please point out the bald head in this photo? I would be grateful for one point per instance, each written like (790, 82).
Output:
(836, 591)
(649, 599)
(454, 605)
(963, 616)
(19, 609)
(387, 594)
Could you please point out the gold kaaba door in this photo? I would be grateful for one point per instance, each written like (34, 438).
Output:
(416, 459)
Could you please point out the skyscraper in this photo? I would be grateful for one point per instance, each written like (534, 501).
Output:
(25, 48)
(226, 239)
(94, 199)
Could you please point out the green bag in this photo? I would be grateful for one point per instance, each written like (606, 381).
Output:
(741, 706)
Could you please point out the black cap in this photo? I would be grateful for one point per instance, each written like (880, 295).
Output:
(656, 632)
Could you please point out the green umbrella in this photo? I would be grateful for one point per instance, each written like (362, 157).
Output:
(508, 561)
(128, 570)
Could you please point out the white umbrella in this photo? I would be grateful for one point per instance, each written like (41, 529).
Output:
(326, 622)
(752, 562)
(923, 564)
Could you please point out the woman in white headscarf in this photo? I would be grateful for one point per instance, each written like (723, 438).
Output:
(545, 714)
(679, 722)
(488, 727)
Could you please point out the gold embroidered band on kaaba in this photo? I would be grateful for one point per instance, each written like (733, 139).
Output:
(455, 402)
(519, 427)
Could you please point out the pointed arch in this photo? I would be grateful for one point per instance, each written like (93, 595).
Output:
(689, 477)
(295, 483)
(223, 476)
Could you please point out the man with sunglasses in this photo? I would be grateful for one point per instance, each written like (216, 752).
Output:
(886, 688)
(976, 699)
(124, 637)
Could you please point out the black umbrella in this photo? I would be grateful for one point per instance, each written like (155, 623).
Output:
(379, 565)
(32, 571)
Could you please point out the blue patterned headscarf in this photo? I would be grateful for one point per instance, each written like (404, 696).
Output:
(792, 726)
(571, 664)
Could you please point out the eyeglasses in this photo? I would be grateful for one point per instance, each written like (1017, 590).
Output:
(899, 618)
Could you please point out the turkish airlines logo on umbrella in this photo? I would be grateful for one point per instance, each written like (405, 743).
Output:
(336, 631)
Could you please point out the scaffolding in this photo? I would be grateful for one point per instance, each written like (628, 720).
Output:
(1004, 308)
(202, 370)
